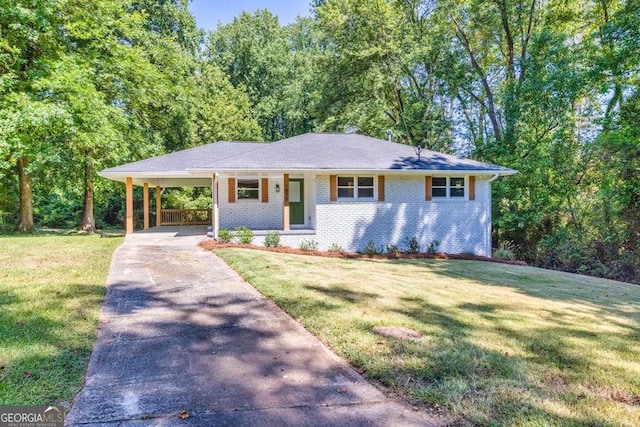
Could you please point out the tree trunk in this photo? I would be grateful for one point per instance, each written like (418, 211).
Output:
(490, 105)
(25, 223)
(87, 222)
(510, 100)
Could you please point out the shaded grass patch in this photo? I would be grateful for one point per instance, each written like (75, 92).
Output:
(500, 345)
(51, 290)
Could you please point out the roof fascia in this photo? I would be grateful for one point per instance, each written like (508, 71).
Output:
(206, 173)
(488, 172)
(168, 174)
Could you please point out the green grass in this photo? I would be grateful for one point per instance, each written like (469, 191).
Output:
(51, 291)
(501, 345)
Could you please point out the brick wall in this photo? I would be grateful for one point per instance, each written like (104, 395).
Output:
(459, 225)
(252, 213)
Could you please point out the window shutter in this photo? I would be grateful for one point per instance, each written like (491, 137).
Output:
(427, 188)
(381, 188)
(265, 190)
(232, 190)
(333, 188)
(472, 188)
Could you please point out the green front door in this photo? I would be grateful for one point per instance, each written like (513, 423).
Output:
(296, 201)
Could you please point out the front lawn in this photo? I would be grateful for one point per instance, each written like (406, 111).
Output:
(51, 292)
(500, 345)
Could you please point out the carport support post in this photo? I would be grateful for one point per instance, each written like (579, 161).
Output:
(158, 206)
(129, 207)
(216, 206)
(287, 218)
(145, 204)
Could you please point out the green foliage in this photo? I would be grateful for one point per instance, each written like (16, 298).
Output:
(370, 248)
(58, 210)
(243, 235)
(382, 51)
(8, 203)
(433, 247)
(225, 235)
(187, 198)
(274, 64)
(413, 246)
(272, 239)
(220, 111)
(335, 248)
(309, 245)
(505, 251)
(572, 253)
(393, 249)
(101, 84)
(7, 223)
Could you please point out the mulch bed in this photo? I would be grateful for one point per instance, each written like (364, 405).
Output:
(212, 244)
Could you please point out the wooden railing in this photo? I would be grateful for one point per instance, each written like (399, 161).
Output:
(185, 217)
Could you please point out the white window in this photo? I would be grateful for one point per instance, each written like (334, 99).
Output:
(248, 189)
(355, 187)
(447, 187)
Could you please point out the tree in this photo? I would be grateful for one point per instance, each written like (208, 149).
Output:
(29, 118)
(101, 77)
(220, 111)
(271, 63)
(390, 58)
(614, 55)
(88, 85)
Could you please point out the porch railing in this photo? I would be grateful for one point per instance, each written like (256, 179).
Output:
(185, 217)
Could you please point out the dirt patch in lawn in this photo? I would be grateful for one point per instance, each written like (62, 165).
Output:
(211, 244)
(397, 332)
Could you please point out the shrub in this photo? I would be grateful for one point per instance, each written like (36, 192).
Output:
(563, 251)
(393, 249)
(626, 268)
(433, 247)
(505, 251)
(335, 248)
(599, 256)
(371, 249)
(225, 235)
(7, 221)
(272, 240)
(309, 245)
(244, 235)
(413, 246)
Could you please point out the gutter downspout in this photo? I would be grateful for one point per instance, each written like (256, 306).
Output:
(216, 205)
(488, 238)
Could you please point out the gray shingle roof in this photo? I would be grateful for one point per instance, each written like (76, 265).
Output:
(312, 151)
(182, 160)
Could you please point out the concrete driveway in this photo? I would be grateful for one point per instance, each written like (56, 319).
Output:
(181, 331)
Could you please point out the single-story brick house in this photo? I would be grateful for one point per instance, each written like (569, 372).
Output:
(342, 189)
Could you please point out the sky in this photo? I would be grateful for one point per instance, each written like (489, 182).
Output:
(209, 12)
